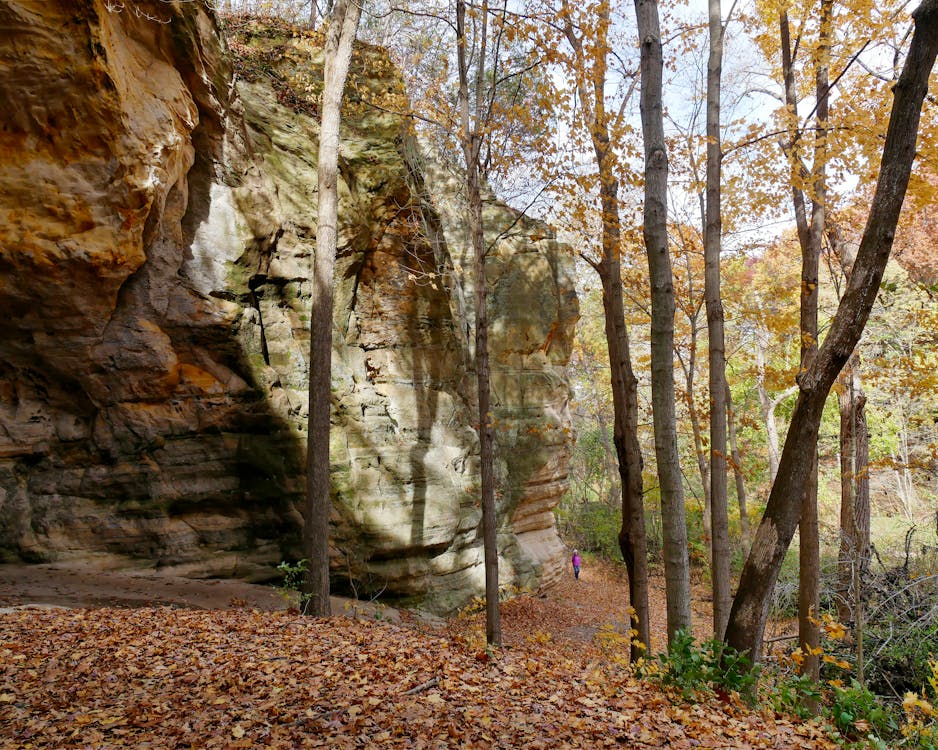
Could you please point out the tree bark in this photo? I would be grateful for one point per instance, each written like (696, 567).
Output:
(853, 558)
(745, 537)
(632, 535)
(751, 605)
(767, 404)
(809, 558)
(471, 141)
(674, 523)
(313, 11)
(720, 545)
(690, 369)
(343, 27)
(810, 237)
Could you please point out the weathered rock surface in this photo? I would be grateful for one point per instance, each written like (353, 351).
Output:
(158, 223)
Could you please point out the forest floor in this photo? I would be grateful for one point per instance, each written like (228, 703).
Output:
(146, 661)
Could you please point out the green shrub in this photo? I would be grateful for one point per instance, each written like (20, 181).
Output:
(710, 666)
(291, 586)
(794, 694)
(856, 712)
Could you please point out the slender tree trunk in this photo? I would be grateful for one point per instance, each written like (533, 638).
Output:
(703, 466)
(313, 9)
(810, 237)
(338, 53)
(674, 522)
(854, 489)
(493, 632)
(745, 537)
(768, 405)
(751, 605)
(846, 558)
(904, 482)
(613, 494)
(471, 141)
(861, 493)
(632, 535)
(809, 592)
(713, 230)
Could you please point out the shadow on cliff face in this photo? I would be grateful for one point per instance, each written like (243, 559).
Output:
(157, 417)
(132, 433)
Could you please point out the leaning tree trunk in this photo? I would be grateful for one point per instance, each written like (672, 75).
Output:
(632, 536)
(655, 230)
(338, 53)
(751, 605)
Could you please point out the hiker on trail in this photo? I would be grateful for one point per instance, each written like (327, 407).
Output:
(576, 564)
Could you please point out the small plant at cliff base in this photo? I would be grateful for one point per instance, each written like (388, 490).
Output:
(711, 666)
(291, 587)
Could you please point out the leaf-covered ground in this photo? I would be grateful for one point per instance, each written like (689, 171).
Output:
(180, 678)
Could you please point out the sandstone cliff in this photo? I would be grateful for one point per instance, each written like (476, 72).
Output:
(158, 219)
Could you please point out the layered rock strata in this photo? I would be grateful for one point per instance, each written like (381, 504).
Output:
(158, 219)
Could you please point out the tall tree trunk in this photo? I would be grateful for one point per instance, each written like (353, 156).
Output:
(861, 493)
(674, 522)
(612, 494)
(810, 237)
(713, 229)
(751, 605)
(343, 27)
(854, 489)
(767, 404)
(632, 535)
(493, 631)
(745, 538)
(905, 486)
(690, 367)
(471, 140)
(313, 9)
(809, 591)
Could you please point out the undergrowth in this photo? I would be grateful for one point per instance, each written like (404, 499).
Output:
(857, 717)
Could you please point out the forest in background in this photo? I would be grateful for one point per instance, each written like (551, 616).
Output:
(554, 127)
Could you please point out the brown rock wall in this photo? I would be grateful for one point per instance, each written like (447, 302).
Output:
(158, 223)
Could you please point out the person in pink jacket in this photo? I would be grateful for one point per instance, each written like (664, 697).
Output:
(576, 564)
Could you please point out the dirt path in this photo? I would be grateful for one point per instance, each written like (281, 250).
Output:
(578, 609)
(82, 586)
(575, 610)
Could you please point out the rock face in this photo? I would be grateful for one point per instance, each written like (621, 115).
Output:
(158, 223)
